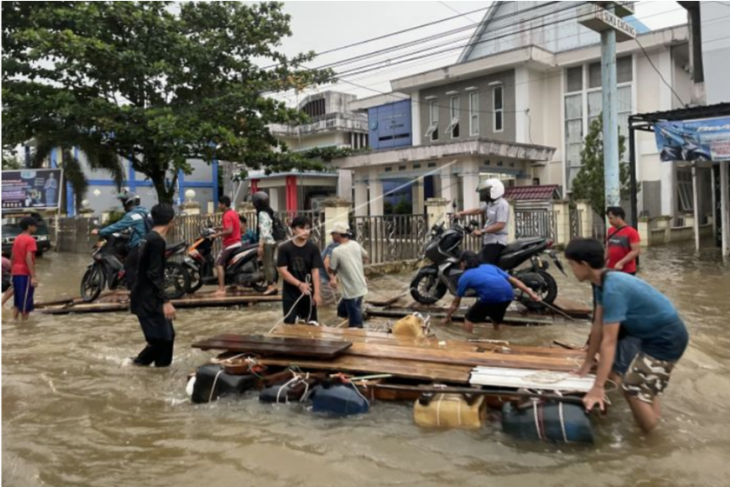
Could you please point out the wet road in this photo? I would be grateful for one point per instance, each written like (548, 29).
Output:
(72, 416)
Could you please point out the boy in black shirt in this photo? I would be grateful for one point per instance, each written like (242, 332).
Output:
(148, 299)
(299, 263)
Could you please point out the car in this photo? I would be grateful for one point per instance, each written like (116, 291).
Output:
(11, 229)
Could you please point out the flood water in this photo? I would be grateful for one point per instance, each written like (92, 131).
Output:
(72, 416)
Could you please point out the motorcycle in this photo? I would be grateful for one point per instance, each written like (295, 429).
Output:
(107, 268)
(244, 268)
(442, 274)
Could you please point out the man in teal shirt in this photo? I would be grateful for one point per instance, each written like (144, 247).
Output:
(653, 336)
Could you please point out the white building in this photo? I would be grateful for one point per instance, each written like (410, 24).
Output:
(518, 103)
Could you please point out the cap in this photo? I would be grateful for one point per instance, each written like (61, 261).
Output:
(341, 228)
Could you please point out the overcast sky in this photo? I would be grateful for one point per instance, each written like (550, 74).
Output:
(321, 26)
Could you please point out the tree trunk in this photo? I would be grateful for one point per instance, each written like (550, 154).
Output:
(164, 194)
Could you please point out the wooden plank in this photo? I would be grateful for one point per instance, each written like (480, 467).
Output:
(451, 357)
(572, 307)
(274, 345)
(402, 368)
(360, 335)
(509, 319)
(552, 381)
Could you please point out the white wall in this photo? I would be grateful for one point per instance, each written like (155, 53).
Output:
(715, 51)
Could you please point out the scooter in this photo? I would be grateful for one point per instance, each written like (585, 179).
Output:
(244, 268)
(442, 273)
(107, 268)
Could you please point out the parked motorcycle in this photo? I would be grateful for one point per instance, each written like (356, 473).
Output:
(442, 273)
(244, 268)
(107, 268)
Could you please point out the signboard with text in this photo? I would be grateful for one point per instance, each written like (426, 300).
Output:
(694, 140)
(31, 189)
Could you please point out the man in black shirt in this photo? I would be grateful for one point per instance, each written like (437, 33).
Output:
(148, 299)
(299, 263)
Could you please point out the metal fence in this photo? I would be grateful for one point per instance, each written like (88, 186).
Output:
(535, 223)
(391, 238)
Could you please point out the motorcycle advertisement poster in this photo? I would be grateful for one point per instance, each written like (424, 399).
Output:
(695, 140)
(31, 189)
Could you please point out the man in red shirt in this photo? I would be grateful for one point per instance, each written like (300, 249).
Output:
(622, 242)
(23, 268)
(231, 233)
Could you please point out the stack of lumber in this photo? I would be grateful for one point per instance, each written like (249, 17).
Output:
(369, 352)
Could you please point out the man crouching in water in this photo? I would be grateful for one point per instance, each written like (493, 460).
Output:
(493, 288)
(653, 337)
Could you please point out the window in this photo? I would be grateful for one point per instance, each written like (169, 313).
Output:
(433, 121)
(685, 192)
(453, 127)
(497, 109)
(595, 106)
(594, 75)
(573, 135)
(315, 108)
(624, 72)
(574, 79)
(474, 113)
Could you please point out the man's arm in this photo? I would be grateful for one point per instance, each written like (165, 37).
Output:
(474, 211)
(126, 222)
(594, 341)
(31, 267)
(452, 309)
(608, 352)
(156, 269)
(316, 283)
(522, 287)
(629, 257)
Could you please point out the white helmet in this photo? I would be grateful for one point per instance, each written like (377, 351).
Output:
(494, 188)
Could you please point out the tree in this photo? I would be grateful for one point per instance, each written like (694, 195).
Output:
(589, 183)
(158, 83)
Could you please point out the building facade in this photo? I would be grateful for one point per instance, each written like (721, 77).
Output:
(332, 124)
(518, 105)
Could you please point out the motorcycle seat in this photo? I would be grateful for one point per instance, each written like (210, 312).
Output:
(176, 247)
(521, 243)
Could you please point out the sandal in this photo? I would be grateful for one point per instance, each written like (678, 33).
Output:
(273, 292)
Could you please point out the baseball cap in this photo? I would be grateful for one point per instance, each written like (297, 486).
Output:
(341, 228)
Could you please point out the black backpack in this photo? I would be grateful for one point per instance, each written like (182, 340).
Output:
(278, 231)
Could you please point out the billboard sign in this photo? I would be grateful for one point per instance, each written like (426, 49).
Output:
(31, 189)
(694, 140)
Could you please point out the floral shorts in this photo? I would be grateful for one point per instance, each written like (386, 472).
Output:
(647, 377)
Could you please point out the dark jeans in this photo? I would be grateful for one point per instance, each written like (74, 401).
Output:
(160, 336)
(302, 310)
(490, 253)
(130, 267)
(481, 311)
(352, 310)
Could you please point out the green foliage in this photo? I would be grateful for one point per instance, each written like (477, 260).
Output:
(589, 183)
(114, 216)
(156, 82)
(11, 160)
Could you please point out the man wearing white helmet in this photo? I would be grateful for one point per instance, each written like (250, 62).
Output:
(496, 209)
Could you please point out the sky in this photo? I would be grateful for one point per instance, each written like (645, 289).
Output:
(320, 26)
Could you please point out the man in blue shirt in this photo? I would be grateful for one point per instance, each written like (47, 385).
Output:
(493, 288)
(136, 219)
(653, 336)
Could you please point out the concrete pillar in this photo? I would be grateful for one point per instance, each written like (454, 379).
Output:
(416, 118)
(335, 210)
(292, 203)
(469, 184)
(418, 199)
(437, 211)
(344, 184)
(644, 232)
(274, 199)
(511, 226)
(448, 180)
(725, 206)
(191, 208)
(361, 197)
(376, 195)
(585, 211)
(668, 188)
(562, 222)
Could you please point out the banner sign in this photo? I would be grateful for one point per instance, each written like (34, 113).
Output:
(31, 188)
(695, 140)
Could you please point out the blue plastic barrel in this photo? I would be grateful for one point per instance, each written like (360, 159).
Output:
(558, 422)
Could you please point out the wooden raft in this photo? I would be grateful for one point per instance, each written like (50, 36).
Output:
(119, 301)
(276, 345)
(423, 359)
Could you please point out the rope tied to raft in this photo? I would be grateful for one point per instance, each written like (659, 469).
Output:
(215, 381)
(294, 306)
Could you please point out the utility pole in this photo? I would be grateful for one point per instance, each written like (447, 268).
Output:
(605, 17)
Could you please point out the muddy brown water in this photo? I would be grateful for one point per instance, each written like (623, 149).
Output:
(72, 416)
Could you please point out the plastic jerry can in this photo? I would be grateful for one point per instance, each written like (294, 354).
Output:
(558, 422)
(212, 382)
(450, 411)
(338, 400)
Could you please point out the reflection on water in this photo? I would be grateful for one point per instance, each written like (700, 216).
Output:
(72, 417)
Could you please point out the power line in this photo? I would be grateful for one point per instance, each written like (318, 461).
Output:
(454, 10)
(659, 72)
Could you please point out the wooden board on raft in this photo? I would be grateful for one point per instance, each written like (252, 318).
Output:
(276, 345)
(511, 318)
(119, 302)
